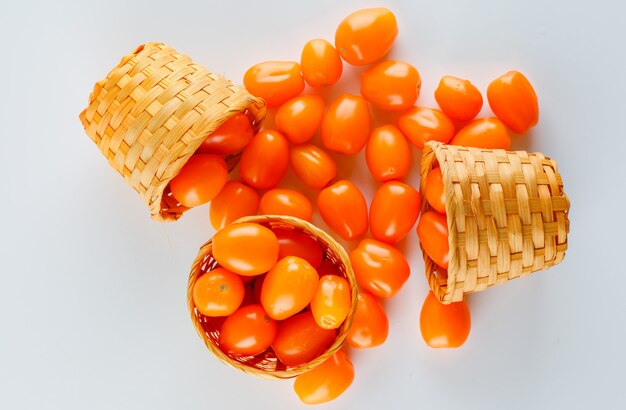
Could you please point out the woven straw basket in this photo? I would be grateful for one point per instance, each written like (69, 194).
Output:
(266, 365)
(151, 113)
(507, 216)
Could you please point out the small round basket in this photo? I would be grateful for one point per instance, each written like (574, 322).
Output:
(266, 365)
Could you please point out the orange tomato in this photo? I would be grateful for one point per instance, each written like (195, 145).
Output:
(320, 63)
(514, 101)
(247, 332)
(265, 160)
(393, 212)
(379, 268)
(288, 287)
(247, 248)
(231, 137)
(312, 165)
(387, 154)
(458, 98)
(299, 339)
(331, 303)
(344, 209)
(391, 85)
(234, 201)
(300, 118)
(433, 190)
(274, 81)
(421, 124)
(366, 35)
(487, 133)
(281, 201)
(346, 124)
(432, 230)
(327, 381)
(218, 293)
(294, 243)
(199, 180)
(370, 325)
(444, 325)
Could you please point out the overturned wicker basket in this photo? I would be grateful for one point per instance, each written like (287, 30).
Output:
(507, 216)
(152, 112)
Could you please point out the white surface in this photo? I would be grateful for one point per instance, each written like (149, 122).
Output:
(92, 294)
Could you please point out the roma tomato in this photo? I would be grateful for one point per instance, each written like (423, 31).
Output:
(331, 303)
(234, 201)
(458, 98)
(265, 160)
(218, 292)
(432, 230)
(366, 35)
(299, 339)
(370, 325)
(200, 180)
(487, 133)
(300, 118)
(344, 209)
(346, 124)
(274, 81)
(391, 85)
(247, 249)
(387, 154)
(327, 381)
(247, 332)
(513, 100)
(444, 325)
(379, 268)
(231, 137)
(288, 287)
(294, 243)
(320, 63)
(433, 191)
(393, 212)
(312, 165)
(281, 201)
(421, 124)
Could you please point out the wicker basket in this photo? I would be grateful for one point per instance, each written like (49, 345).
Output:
(151, 113)
(507, 216)
(266, 365)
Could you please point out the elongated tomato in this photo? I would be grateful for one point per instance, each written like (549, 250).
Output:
(458, 98)
(218, 292)
(200, 180)
(327, 381)
(394, 211)
(444, 325)
(282, 201)
(421, 124)
(300, 118)
(379, 268)
(247, 332)
(487, 133)
(231, 137)
(294, 243)
(320, 63)
(370, 326)
(343, 208)
(388, 154)
(346, 124)
(234, 201)
(274, 81)
(433, 191)
(514, 101)
(391, 85)
(247, 248)
(312, 165)
(432, 230)
(265, 160)
(299, 339)
(331, 303)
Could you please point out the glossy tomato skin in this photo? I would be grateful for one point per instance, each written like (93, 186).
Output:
(218, 292)
(234, 201)
(366, 35)
(343, 208)
(346, 124)
(459, 99)
(312, 165)
(432, 230)
(388, 154)
(200, 180)
(489, 133)
(444, 325)
(265, 160)
(331, 303)
(299, 339)
(433, 191)
(370, 325)
(421, 124)
(247, 332)
(247, 249)
(513, 100)
(379, 268)
(299, 118)
(327, 381)
(391, 85)
(231, 137)
(282, 201)
(320, 63)
(294, 243)
(394, 211)
(274, 81)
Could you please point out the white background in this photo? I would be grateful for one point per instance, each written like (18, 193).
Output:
(93, 293)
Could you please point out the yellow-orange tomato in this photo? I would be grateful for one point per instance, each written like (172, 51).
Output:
(346, 124)
(327, 381)
(320, 63)
(234, 201)
(200, 180)
(458, 98)
(513, 100)
(247, 248)
(247, 332)
(294, 243)
(421, 124)
(218, 293)
(299, 339)
(300, 118)
(433, 191)
(487, 133)
(274, 81)
(331, 303)
(312, 165)
(370, 325)
(366, 35)
(281, 201)
(391, 85)
(379, 268)
(288, 287)
(432, 230)
(265, 160)
(387, 154)
(393, 212)
(344, 209)
(231, 137)
(444, 325)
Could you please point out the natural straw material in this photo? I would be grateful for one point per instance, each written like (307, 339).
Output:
(507, 216)
(151, 113)
(266, 365)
